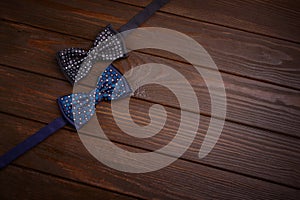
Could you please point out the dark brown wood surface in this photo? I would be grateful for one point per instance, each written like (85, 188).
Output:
(279, 19)
(256, 47)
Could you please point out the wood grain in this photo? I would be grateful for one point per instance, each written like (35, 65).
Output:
(249, 102)
(18, 183)
(240, 149)
(236, 52)
(256, 47)
(272, 18)
(64, 155)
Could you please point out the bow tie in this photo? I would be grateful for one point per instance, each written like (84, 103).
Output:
(108, 43)
(78, 108)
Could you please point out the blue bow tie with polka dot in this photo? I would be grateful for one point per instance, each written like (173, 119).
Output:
(108, 46)
(78, 108)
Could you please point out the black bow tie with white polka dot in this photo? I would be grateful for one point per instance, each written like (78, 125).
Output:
(76, 63)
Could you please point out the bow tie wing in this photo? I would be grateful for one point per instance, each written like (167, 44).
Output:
(70, 60)
(77, 108)
(112, 85)
(108, 46)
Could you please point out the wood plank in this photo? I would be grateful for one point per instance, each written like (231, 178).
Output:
(249, 102)
(164, 184)
(278, 19)
(235, 52)
(241, 149)
(18, 183)
(64, 155)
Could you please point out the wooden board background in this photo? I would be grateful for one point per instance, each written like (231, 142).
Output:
(256, 45)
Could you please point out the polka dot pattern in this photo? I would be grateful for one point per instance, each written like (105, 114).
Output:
(76, 62)
(80, 107)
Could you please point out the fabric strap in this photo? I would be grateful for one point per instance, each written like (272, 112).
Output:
(143, 15)
(32, 141)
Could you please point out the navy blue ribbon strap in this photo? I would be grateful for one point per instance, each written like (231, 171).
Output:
(32, 141)
(143, 15)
